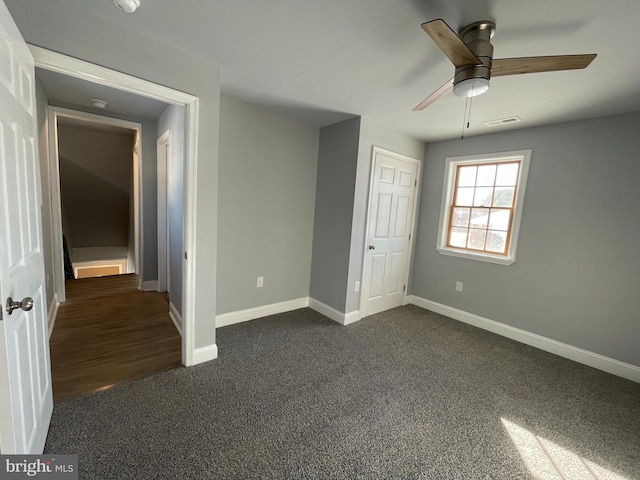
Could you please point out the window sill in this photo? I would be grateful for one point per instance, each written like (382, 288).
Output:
(481, 257)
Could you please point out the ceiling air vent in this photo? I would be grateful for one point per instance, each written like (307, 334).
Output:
(502, 121)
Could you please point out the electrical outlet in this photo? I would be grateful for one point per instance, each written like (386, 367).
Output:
(260, 282)
(357, 286)
(459, 286)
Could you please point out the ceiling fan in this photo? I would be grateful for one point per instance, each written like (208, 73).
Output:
(472, 54)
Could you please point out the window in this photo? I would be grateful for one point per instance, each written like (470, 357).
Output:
(482, 206)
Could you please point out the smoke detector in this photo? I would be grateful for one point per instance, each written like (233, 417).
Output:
(99, 103)
(128, 6)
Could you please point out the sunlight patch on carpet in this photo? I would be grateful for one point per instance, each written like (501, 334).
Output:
(549, 461)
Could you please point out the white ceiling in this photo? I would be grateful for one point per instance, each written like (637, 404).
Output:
(326, 60)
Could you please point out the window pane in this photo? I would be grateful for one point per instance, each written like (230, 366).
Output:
(507, 174)
(483, 197)
(476, 239)
(467, 176)
(458, 237)
(479, 217)
(464, 197)
(497, 241)
(503, 197)
(499, 219)
(460, 217)
(486, 176)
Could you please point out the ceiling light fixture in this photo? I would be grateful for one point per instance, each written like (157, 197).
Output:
(471, 87)
(99, 103)
(128, 6)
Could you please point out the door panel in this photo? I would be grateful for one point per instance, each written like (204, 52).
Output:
(383, 215)
(378, 262)
(391, 208)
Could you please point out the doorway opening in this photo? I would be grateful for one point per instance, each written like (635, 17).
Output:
(96, 201)
(137, 88)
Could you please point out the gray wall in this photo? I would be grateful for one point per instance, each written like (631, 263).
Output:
(43, 151)
(336, 178)
(173, 119)
(95, 177)
(267, 188)
(82, 35)
(576, 276)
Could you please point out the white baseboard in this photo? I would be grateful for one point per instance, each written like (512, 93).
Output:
(333, 314)
(239, 316)
(149, 286)
(52, 313)
(176, 318)
(351, 317)
(204, 354)
(595, 360)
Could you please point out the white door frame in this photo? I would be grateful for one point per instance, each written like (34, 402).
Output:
(56, 203)
(56, 62)
(163, 145)
(412, 228)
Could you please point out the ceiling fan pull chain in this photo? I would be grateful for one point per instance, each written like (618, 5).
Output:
(467, 115)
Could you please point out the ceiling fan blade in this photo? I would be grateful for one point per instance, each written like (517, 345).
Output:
(517, 66)
(450, 43)
(438, 94)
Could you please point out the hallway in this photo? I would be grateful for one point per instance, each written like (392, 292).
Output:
(109, 332)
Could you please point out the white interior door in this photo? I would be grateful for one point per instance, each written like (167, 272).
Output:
(25, 372)
(390, 222)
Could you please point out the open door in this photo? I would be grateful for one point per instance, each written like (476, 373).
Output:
(26, 401)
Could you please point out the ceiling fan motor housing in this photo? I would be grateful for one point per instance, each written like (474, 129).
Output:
(477, 36)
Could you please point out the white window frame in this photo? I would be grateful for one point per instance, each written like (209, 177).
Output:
(451, 165)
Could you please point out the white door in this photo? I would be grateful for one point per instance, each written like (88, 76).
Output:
(391, 210)
(25, 372)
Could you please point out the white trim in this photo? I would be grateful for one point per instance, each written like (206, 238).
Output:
(52, 313)
(595, 360)
(56, 62)
(57, 245)
(138, 207)
(398, 156)
(163, 161)
(176, 318)
(204, 354)
(524, 156)
(239, 316)
(352, 317)
(149, 286)
(333, 314)
(189, 236)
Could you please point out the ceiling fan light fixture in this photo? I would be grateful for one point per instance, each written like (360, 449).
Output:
(471, 87)
(128, 6)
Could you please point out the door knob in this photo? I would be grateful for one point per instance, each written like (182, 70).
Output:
(26, 304)
(372, 247)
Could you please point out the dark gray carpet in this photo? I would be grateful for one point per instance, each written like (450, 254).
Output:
(404, 394)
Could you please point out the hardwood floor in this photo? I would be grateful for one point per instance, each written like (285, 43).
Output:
(109, 332)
